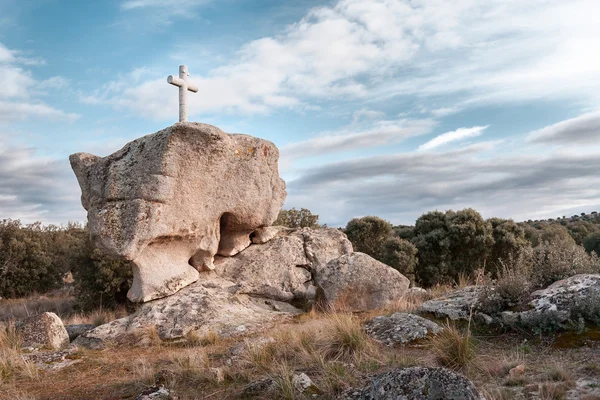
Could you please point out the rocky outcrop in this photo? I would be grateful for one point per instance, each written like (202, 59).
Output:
(170, 201)
(262, 284)
(570, 298)
(400, 328)
(284, 268)
(417, 383)
(212, 305)
(359, 282)
(456, 305)
(44, 330)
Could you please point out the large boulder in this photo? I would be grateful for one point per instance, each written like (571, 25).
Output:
(282, 269)
(359, 282)
(44, 330)
(170, 201)
(401, 328)
(416, 383)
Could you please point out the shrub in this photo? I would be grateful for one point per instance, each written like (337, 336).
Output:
(401, 255)
(293, 218)
(591, 243)
(559, 260)
(100, 280)
(513, 286)
(368, 234)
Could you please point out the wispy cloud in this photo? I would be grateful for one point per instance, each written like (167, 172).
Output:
(379, 133)
(453, 136)
(584, 129)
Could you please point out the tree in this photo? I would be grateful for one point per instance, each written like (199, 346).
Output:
(367, 234)
(433, 245)
(554, 233)
(401, 255)
(591, 243)
(450, 244)
(509, 240)
(293, 218)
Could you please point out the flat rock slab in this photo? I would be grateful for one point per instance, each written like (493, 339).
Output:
(401, 328)
(44, 330)
(213, 305)
(456, 305)
(78, 329)
(53, 360)
(417, 383)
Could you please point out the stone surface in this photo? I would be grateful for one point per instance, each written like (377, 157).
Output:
(303, 384)
(53, 360)
(213, 305)
(455, 305)
(170, 201)
(400, 328)
(155, 393)
(559, 301)
(359, 282)
(264, 388)
(44, 330)
(417, 383)
(282, 269)
(78, 329)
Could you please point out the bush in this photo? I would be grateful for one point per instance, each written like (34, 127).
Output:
(560, 260)
(401, 255)
(513, 286)
(454, 348)
(591, 243)
(34, 258)
(297, 219)
(367, 235)
(100, 280)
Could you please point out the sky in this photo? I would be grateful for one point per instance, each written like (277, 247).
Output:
(383, 107)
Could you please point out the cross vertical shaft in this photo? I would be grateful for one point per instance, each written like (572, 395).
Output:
(184, 86)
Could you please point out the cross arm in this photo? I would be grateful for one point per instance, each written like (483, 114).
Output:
(173, 80)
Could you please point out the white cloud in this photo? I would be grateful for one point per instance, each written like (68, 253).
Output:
(584, 129)
(18, 111)
(453, 136)
(482, 51)
(19, 89)
(377, 134)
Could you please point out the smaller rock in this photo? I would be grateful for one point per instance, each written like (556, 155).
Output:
(43, 330)
(401, 328)
(155, 393)
(263, 235)
(416, 383)
(259, 389)
(216, 374)
(517, 371)
(79, 329)
(303, 384)
(456, 305)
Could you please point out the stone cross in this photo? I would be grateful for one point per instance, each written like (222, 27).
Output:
(184, 86)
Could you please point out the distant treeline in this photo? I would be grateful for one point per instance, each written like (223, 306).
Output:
(441, 247)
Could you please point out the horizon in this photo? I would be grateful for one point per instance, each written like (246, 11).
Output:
(386, 108)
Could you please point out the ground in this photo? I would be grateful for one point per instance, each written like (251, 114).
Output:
(330, 347)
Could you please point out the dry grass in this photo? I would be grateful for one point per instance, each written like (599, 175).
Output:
(96, 317)
(12, 365)
(16, 309)
(454, 348)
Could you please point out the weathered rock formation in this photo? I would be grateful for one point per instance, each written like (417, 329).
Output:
(44, 330)
(416, 383)
(401, 328)
(170, 201)
(259, 286)
(456, 305)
